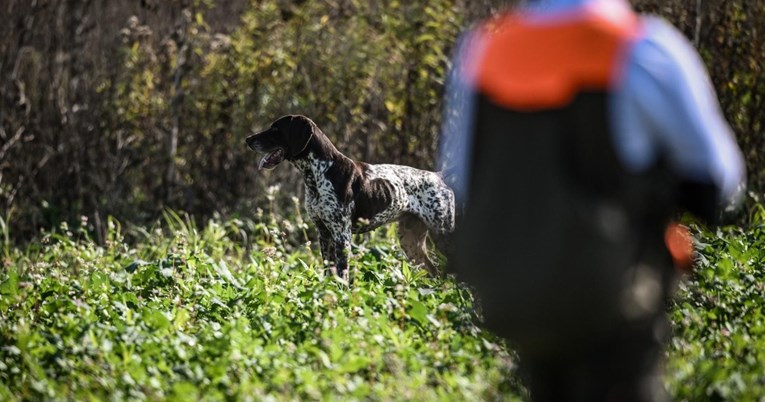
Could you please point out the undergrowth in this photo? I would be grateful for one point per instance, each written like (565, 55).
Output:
(235, 311)
(718, 348)
(242, 310)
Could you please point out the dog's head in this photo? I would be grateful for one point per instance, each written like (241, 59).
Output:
(285, 139)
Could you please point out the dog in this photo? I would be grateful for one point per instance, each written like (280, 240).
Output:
(343, 196)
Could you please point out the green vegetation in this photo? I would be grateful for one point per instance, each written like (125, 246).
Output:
(191, 313)
(242, 310)
(718, 349)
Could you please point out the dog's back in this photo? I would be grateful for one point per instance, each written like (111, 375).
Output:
(420, 192)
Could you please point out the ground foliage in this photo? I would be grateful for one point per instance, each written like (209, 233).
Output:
(241, 310)
(718, 348)
(190, 314)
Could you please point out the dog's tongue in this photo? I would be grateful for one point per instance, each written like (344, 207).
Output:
(263, 162)
(271, 159)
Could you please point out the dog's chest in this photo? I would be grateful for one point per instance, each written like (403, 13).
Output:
(320, 196)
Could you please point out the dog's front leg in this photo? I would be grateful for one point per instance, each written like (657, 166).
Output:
(326, 241)
(342, 253)
(341, 234)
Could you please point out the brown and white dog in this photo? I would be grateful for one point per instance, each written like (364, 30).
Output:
(344, 196)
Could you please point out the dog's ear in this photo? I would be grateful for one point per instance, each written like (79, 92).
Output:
(300, 133)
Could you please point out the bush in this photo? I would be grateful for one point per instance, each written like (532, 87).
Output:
(129, 107)
(149, 107)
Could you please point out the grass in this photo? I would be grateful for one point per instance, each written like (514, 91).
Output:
(718, 348)
(197, 314)
(241, 310)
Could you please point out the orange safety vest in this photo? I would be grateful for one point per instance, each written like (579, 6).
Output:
(530, 65)
(533, 65)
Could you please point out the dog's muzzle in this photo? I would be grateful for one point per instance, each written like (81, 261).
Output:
(250, 141)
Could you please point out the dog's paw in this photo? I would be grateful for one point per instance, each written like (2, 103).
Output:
(342, 277)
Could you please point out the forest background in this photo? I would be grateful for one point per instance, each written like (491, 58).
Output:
(128, 108)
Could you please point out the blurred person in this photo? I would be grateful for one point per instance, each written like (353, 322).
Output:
(574, 131)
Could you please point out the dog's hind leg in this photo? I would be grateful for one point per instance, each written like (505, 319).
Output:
(412, 235)
(443, 242)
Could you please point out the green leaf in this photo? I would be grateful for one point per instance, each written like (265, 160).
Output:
(155, 318)
(354, 363)
(418, 312)
(10, 286)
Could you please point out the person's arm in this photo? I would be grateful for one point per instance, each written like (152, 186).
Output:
(455, 146)
(668, 108)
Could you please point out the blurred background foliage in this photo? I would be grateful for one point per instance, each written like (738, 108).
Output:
(125, 108)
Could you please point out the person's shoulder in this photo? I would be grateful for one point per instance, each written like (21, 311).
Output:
(662, 39)
(656, 26)
(664, 53)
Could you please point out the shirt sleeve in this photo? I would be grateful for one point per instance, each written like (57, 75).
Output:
(455, 148)
(667, 108)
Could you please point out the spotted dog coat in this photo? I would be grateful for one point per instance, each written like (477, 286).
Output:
(344, 196)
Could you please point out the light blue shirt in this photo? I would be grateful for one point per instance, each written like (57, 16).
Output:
(664, 106)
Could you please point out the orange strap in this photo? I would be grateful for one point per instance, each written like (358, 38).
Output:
(530, 65)
(680, 245)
